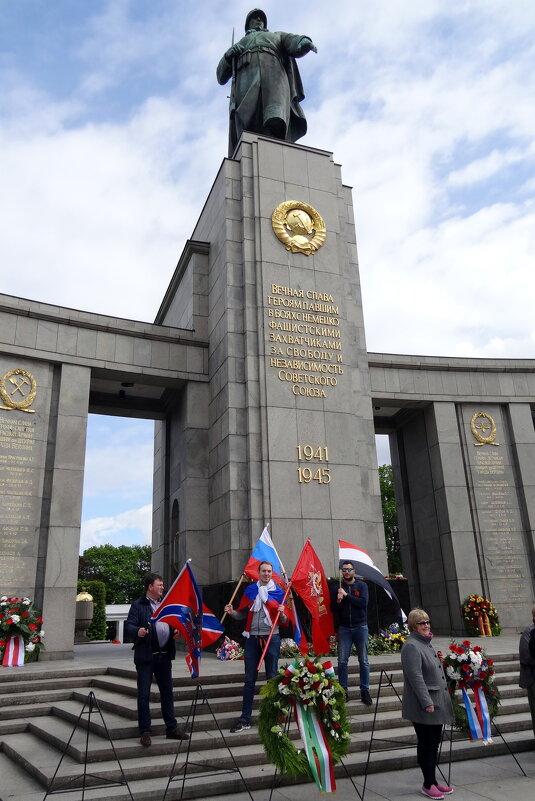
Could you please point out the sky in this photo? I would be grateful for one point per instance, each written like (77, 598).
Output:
(113, 127)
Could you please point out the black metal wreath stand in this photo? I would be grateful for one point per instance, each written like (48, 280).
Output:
(65, 785)
(182, 773)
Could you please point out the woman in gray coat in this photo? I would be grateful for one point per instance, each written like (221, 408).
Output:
(426, 700)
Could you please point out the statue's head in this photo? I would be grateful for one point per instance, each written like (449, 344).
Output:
(253, 16)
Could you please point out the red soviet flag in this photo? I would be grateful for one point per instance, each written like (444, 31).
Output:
(309, 581)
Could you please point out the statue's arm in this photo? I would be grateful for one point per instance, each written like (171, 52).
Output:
(297, 46)
(224, 68)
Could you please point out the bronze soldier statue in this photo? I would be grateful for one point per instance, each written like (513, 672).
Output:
(266, 86)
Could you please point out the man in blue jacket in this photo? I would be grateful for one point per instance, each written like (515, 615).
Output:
(349, 602)
(154, 649)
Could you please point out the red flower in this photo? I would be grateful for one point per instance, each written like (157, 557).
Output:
(39, 619)
(9, 621)
(466, 643)
(490, 662)
(24, 614)
(32, 626)
(477, 649)
(2, 643)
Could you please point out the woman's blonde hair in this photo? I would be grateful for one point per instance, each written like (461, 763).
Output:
(415, 616)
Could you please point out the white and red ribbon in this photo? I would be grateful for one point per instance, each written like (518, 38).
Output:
(14, 652)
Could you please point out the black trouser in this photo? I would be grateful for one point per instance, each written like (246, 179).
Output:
(428, 736)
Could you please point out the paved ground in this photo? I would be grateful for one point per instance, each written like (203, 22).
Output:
(493, 778)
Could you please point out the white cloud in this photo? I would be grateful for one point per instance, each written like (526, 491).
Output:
(131, 527)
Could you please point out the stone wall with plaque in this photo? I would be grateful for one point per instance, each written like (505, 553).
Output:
(501, 540)
(43, 413)
(290, 421)
(23, 437)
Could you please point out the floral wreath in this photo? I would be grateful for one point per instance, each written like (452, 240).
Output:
(480, 616)
(19, 620)
(468, 667)
(306, 686)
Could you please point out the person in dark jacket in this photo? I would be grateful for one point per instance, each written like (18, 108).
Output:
(426, 700)
(154, 649)
(526, 652)
(349, 602)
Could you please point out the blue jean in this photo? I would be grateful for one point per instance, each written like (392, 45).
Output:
(161, 668)
(357, 636)
(252, 653)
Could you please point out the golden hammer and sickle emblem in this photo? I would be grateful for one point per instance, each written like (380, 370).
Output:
(299, 227)
(481, 423)
(15, 383)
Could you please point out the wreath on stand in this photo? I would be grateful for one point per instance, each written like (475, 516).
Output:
(480, 616)
(307, 688)
(468, 667)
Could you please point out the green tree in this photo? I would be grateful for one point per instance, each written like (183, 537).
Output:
(121, 569)
(390, 518)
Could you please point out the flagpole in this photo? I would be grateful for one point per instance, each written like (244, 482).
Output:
(279, 613)
(238, 585)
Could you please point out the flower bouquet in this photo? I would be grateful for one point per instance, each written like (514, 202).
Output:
(21, 635)
(308, 689)
(389, 640)
(481, 617)
(468, 667)
(229, 650)
(289, 649)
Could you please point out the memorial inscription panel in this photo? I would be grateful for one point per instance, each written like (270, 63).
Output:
(21, 476)
(501, 535)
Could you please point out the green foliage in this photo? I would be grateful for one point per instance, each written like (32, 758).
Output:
(97, 629)
(279, 747)
(390, 518)
(121, 569)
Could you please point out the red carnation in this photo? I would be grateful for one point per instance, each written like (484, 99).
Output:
(466, 643)
(39, 619)
(9, 621)
(24, 614)
(490, 662)
(32, 626)
(2, 643)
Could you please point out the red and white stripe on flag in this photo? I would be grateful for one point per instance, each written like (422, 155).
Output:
(14, 652)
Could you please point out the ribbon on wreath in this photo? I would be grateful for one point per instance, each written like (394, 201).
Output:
(312, 733)
(317, 748)
(478, 718)
(14, 652)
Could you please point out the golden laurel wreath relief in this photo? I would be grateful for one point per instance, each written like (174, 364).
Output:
(481, 423)
(18, 390)
(299, 227)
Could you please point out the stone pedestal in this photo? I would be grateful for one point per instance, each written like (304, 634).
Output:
(283, 432)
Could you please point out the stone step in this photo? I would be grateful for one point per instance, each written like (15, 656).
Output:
(149, 778)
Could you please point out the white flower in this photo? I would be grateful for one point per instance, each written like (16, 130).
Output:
(41, 634)
(26, 601)
(450, 673)
(30, 647)
(15, 618)
(3, 600)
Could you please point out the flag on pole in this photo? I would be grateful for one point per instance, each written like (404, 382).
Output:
(364, 566)
(265, 551)
(182, 609)
(310, 582)
(212, 629)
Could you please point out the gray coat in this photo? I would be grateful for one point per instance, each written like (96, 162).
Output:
(424, 683)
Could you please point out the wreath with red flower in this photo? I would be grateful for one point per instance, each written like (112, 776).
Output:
(20, 618)
(480, 616)
(469, 667)
(310, 683)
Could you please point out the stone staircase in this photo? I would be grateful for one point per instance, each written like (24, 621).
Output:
(40, 719)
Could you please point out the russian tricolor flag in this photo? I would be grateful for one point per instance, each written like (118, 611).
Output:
(264, 551)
